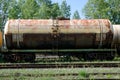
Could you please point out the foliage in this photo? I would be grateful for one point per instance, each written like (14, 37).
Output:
(65, 9)
(14, 10)
(3, 10)
(114, 11)
(95, 9)
(83, 74)
(44, 10)
(55, 12)
(76, 15)
(103, 9)
(28, 9)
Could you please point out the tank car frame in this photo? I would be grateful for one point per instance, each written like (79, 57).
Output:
(95, 39)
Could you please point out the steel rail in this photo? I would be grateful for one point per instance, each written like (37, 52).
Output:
(63, 50)
(59, 65)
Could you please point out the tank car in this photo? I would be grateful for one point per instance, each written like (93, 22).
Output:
(88, 39)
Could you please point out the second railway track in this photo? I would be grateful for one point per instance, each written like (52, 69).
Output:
(59, 65)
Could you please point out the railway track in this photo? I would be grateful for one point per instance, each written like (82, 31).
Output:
(59, 65)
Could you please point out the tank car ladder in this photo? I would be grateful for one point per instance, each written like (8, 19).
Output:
(55, 37)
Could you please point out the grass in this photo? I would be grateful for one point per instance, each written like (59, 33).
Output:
(27, 78)
(58, 71)
(35, 74)
(117, 59)
(83, 74)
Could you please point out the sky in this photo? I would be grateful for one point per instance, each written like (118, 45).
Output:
(75, 5)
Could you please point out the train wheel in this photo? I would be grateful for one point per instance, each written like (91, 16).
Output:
(15, 58)
(67, 58)
(12, 58)
(105, 56)
(80, 56)
(110, 56)
(90, 56)
(19, 57)
(99, 56)
(29, 58)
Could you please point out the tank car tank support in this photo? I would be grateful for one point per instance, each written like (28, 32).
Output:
(90, 56)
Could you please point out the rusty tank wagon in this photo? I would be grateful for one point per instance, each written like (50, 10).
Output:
(88, 39)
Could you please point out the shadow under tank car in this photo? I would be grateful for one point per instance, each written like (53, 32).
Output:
(88, 39)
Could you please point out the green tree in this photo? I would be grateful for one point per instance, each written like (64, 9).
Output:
(4, 8)
(14, 10)
(103, 9)
(55, 12)
(44, 11)
(96, 9)
(29, 8)
(76, 15)
(114, 11)
(47, 9)
(65, 9)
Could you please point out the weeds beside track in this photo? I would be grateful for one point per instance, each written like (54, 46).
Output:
(61, 74)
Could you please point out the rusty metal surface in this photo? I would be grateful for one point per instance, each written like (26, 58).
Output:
(116, 34)
(62, 34)
(66, 26)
